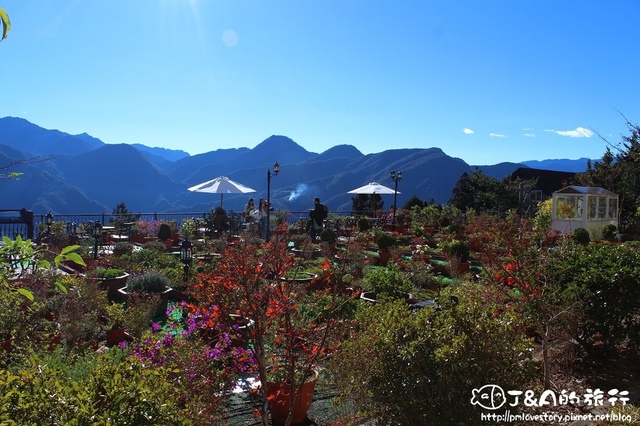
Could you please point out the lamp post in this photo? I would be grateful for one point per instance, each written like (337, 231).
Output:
(97, 234)
(396, 178)
(49, 222)
(186, 257)
(276, 170)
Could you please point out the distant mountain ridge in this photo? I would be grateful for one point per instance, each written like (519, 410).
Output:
(83, 174)
(563, 165)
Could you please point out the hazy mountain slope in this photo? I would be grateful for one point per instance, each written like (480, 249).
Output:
(500, 170)
(21, 134)
(215, 162)
(38, 189)
(565, 165)
(120, 173)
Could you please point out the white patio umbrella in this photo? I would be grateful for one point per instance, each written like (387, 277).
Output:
(373, 188)
(221, 185)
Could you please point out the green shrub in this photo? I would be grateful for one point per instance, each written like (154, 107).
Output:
(123, 246)
(609, 232)
(581, 236)
(329, 236)
(609, 274)
(106, 273)
(164, 231)
(459, 249)
(151, 282)
(150, 258)
(158, 246)
(99, 390)
(385, 242)
(363, 224)
(386, 282)
(406, 367)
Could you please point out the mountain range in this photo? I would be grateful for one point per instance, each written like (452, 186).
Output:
(65, 173)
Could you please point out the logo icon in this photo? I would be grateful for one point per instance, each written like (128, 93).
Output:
(489, 397)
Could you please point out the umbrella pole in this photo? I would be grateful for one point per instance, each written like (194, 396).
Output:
(222, 199)
(373, 205)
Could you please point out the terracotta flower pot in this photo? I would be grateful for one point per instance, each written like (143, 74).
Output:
(279, 398)
(6, 344)
(111, 285)
(138, 239)
(117, 336)
(384, 257)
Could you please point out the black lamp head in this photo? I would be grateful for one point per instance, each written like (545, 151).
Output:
(97, 229)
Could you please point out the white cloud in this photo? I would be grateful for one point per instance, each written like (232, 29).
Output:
(579, 132)
(498, 135)
(529, 135)
(467, 131)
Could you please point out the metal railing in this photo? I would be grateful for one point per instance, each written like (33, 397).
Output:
(12, 228)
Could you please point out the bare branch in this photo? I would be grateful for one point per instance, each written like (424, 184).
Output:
(26, 161)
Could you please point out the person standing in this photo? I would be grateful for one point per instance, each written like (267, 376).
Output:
(248, 210)
(262, 208)
(318, 214)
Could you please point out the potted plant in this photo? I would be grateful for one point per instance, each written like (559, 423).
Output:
(109, 279)
(286, 339)
(299, 239)
(363, 224)
(385, 242)
(115, 329)
(150, 282)
(165, 233)
(460, 252)
(189, 228)
(329, 237)
(146, 230)
(122, 247)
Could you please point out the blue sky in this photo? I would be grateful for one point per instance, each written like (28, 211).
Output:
(487, 81)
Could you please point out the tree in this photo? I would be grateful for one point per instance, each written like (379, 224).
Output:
(364, 204)
(123, 214)
(482, 193)
(413, 201)
(528, 276)
(620, 173)
(6, 23)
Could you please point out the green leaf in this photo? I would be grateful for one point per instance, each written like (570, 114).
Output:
(69, 249)
(6, 23)
(75, 257)
(26, 293)
(44, 264)
(61, 287)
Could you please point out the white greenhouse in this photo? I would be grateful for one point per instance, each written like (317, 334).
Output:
(583, 207)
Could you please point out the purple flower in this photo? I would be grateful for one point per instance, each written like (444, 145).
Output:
(167, 340)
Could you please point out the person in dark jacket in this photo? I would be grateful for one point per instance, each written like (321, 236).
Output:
(318, 214)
